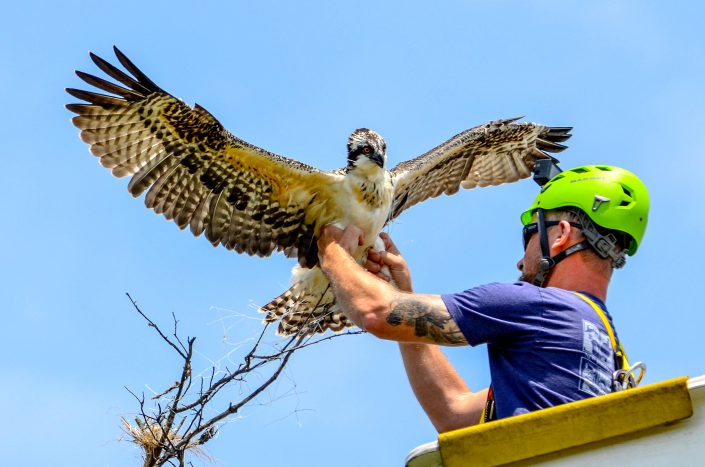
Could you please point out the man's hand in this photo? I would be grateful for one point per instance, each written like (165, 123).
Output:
(349, 239)
(398, 269)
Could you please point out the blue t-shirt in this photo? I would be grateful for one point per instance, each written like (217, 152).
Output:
(546, 346)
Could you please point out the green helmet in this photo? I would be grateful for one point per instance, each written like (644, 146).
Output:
(613, 198)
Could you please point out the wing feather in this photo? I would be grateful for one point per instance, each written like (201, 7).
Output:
(198, 220)
(127, 164)
(491, 154)
(157, 164)
(219, 220)
(194, 171)
(117, 74)
(128, 151)
(175, 203)
(119, 136)
(100, 83)
(159, 193)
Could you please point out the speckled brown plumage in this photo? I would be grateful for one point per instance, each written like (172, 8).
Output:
(197, 173)
(491, 154)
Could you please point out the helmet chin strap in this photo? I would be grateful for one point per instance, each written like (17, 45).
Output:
(547, 262)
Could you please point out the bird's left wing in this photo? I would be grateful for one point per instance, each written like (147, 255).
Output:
(491, 154)
(197, 173)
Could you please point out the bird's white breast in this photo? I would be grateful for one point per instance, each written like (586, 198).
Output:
(366, 203)
(354, 209)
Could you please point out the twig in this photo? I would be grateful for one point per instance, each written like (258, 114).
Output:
(152, 325)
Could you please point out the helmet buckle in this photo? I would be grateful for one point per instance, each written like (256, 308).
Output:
(546, 263)
(603, 246)
(598, 202)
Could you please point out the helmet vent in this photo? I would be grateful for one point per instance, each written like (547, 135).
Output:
(628, 194)
(579, 170)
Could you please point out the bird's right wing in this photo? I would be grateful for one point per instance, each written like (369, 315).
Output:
(491, 154)
(197, 173)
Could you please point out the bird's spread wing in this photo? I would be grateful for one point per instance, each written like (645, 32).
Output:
(491, 154)
(197, 173)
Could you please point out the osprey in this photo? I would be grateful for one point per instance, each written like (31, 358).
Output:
(252, 201)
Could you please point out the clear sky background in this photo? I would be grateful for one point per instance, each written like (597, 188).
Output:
(297, 78)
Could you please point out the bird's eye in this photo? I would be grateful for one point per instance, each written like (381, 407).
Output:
(366, 149)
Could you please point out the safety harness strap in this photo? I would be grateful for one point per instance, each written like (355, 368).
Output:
(625, 376)
(619, 353)
(489, 413)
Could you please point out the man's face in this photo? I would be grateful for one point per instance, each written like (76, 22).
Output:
(529, 264)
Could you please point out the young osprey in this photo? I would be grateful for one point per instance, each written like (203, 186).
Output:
(256, 202)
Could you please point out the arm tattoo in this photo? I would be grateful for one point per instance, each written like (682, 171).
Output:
(428, 321)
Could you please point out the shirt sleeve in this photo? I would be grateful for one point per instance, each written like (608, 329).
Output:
(495, 312)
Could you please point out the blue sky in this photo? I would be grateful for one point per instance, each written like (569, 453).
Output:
(297, 78)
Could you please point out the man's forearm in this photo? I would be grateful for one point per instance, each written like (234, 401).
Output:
(386, 312)
(373, 304)
(442, 393)
(360, 295)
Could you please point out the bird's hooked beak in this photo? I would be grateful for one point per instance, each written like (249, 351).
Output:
(377, 159)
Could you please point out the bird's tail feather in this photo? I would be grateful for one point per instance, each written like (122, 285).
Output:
(303, 311)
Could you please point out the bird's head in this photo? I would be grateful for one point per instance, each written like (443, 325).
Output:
(366, 147)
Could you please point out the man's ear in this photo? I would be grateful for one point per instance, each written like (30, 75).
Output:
(562, 241)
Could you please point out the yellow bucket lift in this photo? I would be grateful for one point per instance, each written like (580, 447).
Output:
(662, 424)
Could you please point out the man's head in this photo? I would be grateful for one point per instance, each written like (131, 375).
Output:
(602, 209)
(562, 231)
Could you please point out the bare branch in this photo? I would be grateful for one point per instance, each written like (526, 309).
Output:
(176, 425)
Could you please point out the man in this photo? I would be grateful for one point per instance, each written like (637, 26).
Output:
(547, 345)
